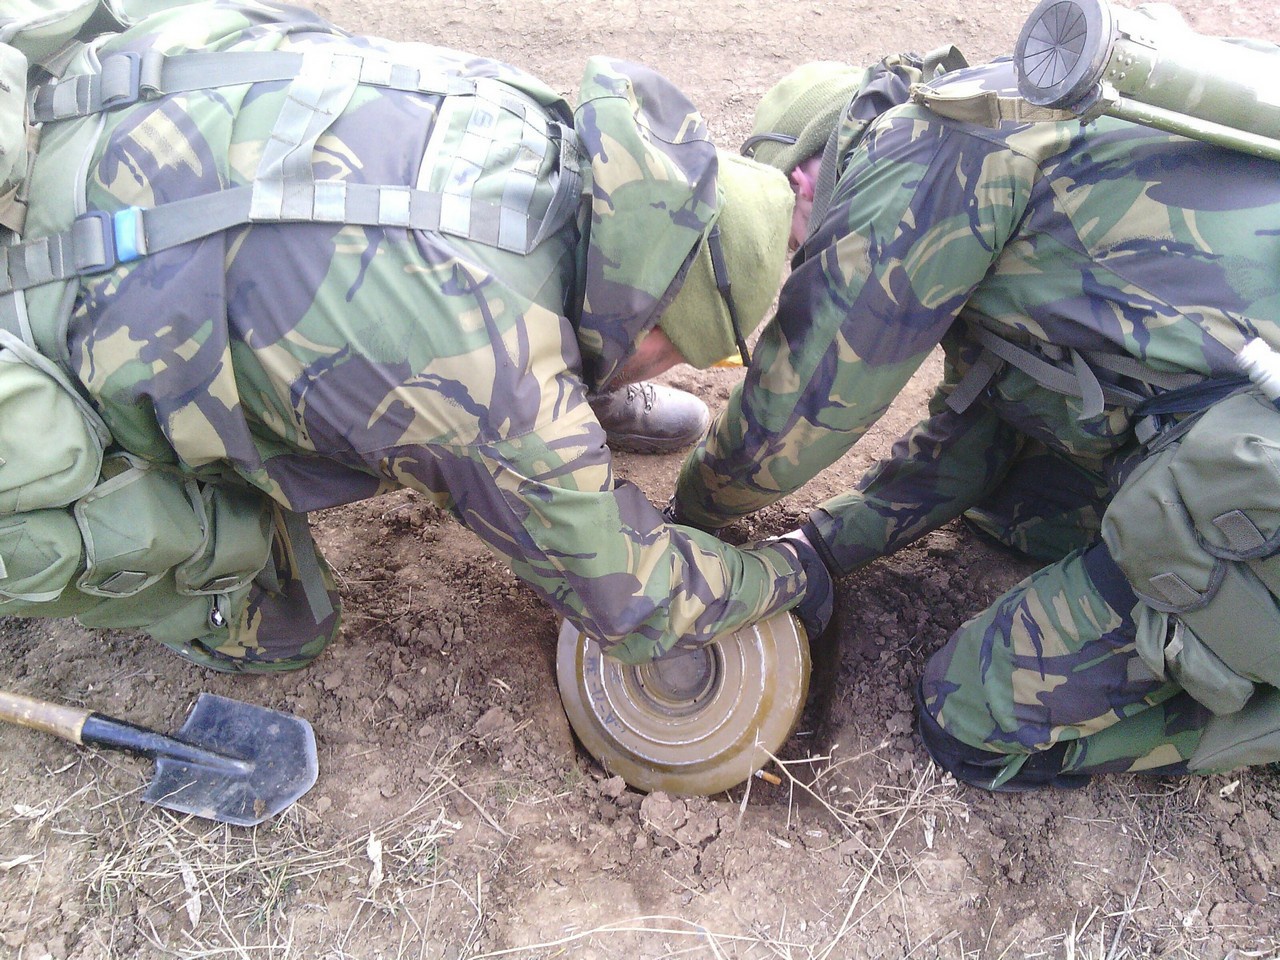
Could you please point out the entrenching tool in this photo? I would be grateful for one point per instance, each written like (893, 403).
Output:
(692, 724)
(232, 762)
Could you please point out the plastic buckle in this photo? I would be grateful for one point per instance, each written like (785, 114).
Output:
(129, 236)
(93, 236)
(101, 241)
(111, 79)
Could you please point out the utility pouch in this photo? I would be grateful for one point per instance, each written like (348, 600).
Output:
(51, 441)
(138, 524)
(237, 542)
(1173, 652)
(1196, 530)
(166, 615)
(40, 553)
(51, 452)
(115, 541)
(1251, 736)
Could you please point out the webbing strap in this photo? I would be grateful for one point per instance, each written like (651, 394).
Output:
(974, 381)
(321, 86)
(98, 242)
(9, 319)
(126, 78)
(317, 96)
(1080, 381)
(13, 316)
(1135, 369)
(306, 564)
(568, 186)
(986, 108)
(824, 190)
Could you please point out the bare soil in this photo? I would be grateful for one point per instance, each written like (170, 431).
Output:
(456, 817)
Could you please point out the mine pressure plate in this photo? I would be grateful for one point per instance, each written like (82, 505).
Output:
(692, 724)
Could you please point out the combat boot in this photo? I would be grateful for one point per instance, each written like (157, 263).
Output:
(648, 417)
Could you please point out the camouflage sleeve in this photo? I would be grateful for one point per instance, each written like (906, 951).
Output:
(936, 471)
(600, 553)
(919, 215)
(488, 416)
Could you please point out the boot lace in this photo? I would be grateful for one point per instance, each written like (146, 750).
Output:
(645, 389)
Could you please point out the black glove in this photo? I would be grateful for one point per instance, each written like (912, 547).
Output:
(814, 610)
(671, 512)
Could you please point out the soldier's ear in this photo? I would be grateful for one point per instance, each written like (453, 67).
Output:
(804, 178)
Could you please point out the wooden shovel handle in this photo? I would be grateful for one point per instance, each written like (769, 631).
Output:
(56, 718)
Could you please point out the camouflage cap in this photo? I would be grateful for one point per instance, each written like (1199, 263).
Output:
(795, 118)
(754, 222)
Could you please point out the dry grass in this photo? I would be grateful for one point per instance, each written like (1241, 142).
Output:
(163, 885)
(157, 885)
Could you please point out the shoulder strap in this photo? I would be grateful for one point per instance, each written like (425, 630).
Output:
(883, 85)
(284, 189)
(985, 108)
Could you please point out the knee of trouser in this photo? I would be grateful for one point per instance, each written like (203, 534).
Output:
(988, 769)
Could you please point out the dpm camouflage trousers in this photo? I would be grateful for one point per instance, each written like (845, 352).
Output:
(1054, 660)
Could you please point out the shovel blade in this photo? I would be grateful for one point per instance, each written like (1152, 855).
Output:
(277, 763)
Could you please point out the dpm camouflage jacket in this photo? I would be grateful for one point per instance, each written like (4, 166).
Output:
(1106, 239)
(322, 355)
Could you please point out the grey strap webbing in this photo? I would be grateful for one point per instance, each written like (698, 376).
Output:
(126, 78)
(1079, 381)
(321, 85)
(824, 190)
(98, 241)
(307, 569)
(317, 96)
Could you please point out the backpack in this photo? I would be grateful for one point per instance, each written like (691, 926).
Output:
(89, 529)
(86, 529)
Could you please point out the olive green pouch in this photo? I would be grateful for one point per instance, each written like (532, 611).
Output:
(51, 440)
(1247, 738)
(137, 525)
(40, 553)
(1173, 652)
(237, 542)
(1196, 530)
(51, 451)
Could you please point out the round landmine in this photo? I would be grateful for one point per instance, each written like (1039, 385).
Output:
(692, 724)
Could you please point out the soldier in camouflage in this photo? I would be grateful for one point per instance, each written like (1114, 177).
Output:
(1122, 265)
(320, 363)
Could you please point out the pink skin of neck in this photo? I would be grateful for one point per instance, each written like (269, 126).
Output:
(804, 178)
